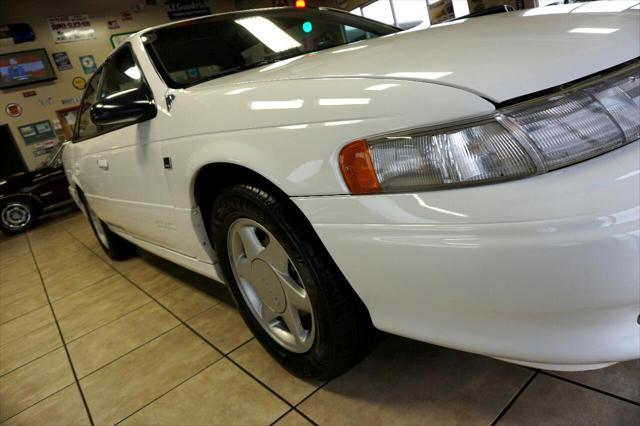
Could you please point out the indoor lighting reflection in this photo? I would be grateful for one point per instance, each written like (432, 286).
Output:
(423, 75)
(437, 209)
(341, 123)
(292, 104)
(350, 49)
(593, 30)
(551, 10)
(133, 72)
(343, 101)
(280, 64)
(294, 127)
(268, 33)
(239, 91)
(381, 87)
(602, 6)
(446, 24)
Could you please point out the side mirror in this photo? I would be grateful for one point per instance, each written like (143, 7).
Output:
(126, 107)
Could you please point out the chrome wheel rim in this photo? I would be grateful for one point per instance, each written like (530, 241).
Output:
(16, 215)
(98, 226)
(271, 286)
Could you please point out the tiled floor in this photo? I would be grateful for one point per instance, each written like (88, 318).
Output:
(86, 340)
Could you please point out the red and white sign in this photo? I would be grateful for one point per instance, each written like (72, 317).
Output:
(13, 110)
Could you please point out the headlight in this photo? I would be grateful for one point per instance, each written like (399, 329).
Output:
(522, 140)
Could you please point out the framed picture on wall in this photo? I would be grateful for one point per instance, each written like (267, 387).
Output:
(67, 117)
(118, 39)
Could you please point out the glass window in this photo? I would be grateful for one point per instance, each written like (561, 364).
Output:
(379, 11)
(121, 73)
(203, 49)
(410, 13)
(357, 11)
(85, 127)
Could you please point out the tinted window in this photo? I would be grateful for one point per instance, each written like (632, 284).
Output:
(121, 73)
(199, 50)
(86, 128)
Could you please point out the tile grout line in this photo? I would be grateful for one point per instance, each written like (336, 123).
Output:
(224, 355)
(76, 338)
(26, 313)
(66, 350)
(591, 388)
(514, 398)
(281, 417)
(37, 402)
(171, 389)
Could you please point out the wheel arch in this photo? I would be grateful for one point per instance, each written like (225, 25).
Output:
(212, 178)
(32, 198)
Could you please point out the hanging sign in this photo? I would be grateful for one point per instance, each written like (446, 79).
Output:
(68, 28)
(79, 83)
(88, 64)
(13, 110)
(181, 9)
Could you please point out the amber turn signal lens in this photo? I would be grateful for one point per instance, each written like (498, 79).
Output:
(301, 4)
(357, 168)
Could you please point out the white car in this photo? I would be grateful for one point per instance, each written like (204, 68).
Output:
(473, 185)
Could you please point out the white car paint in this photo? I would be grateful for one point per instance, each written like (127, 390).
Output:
(541, 271)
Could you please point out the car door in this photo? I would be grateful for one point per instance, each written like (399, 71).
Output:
(123, 163)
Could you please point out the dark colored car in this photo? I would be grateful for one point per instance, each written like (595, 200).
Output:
(25, 197)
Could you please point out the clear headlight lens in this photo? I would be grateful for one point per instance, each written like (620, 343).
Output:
(522, 140)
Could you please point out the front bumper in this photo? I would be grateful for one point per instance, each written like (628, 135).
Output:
(542, 271)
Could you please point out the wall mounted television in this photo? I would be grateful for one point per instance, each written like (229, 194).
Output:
(26, 67)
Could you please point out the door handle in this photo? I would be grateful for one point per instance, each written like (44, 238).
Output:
(103, 163)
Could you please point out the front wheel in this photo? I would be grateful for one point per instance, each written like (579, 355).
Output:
(287, 288)
(17, 215)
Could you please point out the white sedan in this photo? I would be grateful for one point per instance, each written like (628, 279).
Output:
(473, 185)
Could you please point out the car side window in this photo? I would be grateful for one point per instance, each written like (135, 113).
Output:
(121, 73)
(86, 128)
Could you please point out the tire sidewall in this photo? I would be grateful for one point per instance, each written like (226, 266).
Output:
(251, 207)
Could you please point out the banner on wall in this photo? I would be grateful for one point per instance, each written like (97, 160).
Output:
(68, 28)
(182, 9)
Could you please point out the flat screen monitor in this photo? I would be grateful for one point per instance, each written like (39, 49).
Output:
(26, 67)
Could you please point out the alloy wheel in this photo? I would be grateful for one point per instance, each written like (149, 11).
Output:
(271, 286)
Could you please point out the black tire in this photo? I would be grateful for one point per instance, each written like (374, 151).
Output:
(116, 247)
(344, 333)
(17, 215)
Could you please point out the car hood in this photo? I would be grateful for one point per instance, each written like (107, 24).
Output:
(498, 57)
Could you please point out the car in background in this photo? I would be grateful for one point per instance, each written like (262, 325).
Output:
(25, 197)
(469, 185)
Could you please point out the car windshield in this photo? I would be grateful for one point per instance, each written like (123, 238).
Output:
(190, 52)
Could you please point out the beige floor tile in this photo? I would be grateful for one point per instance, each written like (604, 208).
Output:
(17, 269)
(94, 306)
(63, 408)
(293, 418)
(75, 274)
(33, 382)
(188, 301)
(21, 302)
(25, 324)
(13, 248)
(223, 326)
(133, 381)
(621, 379)
(406, 382)
(258, 362)
(29, 347)
(221, 395)
(115, 339)
(552, 401)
